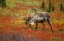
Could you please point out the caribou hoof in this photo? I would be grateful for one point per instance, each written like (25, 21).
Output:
(43, 29)
(52, 31)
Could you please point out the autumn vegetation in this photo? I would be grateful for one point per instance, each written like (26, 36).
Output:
(12, 25)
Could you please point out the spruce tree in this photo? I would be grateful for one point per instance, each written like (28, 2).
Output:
(50, 5)
(63, 9)
(2, 3)
(53, 6)
(61, 6)
(43, 5)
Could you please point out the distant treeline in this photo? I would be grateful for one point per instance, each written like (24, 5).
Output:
(51, 6)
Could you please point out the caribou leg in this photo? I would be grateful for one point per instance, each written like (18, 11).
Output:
(49, 24)
(36, 25)
(30, 25)
(43, 26)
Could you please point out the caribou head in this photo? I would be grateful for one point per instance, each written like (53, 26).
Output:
(27, 20)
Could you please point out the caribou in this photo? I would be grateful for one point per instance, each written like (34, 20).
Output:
(38, 17)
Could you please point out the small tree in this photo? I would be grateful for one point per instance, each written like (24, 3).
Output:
(43, 5)
(2, 3)
(61, 6)
(50, 5)
(63, 9)
(53, 6)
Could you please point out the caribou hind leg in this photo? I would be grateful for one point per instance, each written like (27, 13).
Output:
(49, 24)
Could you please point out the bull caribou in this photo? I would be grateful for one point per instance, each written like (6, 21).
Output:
(38, 17)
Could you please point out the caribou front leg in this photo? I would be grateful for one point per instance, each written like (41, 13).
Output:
(36, 25)
(30, 25)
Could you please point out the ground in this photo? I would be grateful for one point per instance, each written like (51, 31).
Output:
(13, 28)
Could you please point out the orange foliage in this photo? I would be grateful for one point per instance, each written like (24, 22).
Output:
(25, 30)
